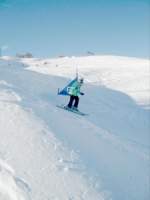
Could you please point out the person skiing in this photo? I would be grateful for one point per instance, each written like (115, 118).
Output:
(74, 92)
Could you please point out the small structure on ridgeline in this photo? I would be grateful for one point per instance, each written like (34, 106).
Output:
(24, 55)
(90, 53)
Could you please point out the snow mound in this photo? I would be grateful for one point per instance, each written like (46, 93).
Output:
(11, 187)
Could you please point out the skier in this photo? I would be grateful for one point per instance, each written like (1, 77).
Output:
(74, 92)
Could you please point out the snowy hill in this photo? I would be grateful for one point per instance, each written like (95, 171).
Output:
(50, 154)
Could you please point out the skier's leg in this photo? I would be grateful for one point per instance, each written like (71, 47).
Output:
(76, 102)
(70, 101)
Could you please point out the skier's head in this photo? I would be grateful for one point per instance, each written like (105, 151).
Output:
(81, 80)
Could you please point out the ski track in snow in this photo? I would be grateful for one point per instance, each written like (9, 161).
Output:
(97, 156)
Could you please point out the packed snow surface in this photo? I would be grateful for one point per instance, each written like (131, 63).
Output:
(47, 153)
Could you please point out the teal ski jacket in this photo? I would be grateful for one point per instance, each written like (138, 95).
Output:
(74, 90)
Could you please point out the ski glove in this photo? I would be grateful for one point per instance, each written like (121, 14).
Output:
(81, 93)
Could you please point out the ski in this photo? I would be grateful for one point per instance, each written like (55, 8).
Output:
(71, 110)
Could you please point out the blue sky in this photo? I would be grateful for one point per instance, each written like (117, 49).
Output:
(50, 28)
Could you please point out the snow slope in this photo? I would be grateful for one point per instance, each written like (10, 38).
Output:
(47, 153)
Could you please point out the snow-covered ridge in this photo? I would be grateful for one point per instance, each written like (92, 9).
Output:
(116, 72)
(53, 154)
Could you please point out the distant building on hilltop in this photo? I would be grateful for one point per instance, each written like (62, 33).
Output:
(89, 53)
(61, 56)
(25, 55)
